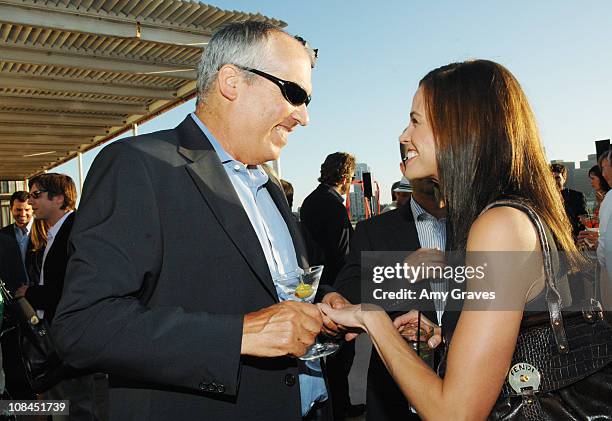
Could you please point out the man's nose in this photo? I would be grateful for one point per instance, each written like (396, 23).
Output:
(301, 115)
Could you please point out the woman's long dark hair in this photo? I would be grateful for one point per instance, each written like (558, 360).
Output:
(603, 184)
(487, 145)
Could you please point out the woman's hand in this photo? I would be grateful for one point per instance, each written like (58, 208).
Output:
(336, 301)
(351, 316)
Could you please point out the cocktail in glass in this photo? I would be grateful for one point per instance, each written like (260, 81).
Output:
(302, 286)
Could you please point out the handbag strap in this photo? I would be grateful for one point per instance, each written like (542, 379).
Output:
(552, 295)
(6, 294)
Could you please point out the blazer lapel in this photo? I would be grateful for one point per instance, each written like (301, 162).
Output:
(60, 245)
(279, 199)
(207, 172)
(412, 236)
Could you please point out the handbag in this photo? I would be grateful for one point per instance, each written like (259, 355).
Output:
(43, 366)
(561, 367)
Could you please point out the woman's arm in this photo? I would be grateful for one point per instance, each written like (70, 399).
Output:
(483, 343)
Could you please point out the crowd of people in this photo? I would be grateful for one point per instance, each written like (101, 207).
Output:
(173, 277)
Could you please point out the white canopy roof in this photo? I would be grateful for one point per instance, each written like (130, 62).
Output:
(76, 73)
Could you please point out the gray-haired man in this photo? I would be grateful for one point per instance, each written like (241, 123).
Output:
(180, 244)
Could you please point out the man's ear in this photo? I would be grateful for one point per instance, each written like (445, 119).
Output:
(58, 199)
(228, 81)
(402, 168)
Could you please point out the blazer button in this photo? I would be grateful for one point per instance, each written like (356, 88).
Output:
(212, 387)
(220, 388)
(203, 387)
(289, 380)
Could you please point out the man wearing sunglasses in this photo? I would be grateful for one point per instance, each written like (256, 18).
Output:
(53, 199)
(181, 244)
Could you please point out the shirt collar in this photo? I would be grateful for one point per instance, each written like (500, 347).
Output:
(52, 232)
(333, 191)
(257, 174)
(222, 153)
(419, 213)
(28, 227)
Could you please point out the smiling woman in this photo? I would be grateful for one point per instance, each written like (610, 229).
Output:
(420, 155)
(472, 131)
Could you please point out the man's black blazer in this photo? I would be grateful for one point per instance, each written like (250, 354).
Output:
(164, 266)
(46, 297)
(13, 273)
(391, 231)
(325, 217)
(12, 267)
(575, 205)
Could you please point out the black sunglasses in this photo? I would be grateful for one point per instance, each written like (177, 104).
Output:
(36, 194)
(294, 93)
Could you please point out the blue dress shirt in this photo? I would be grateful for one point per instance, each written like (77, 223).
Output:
(22, 235)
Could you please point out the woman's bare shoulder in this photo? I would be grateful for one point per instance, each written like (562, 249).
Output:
(503, 229)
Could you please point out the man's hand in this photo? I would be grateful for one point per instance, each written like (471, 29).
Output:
(407, 325)
(21, 291)
(335, 301)
(286, 328)
(428, 258)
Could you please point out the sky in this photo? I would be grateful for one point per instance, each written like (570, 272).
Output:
(372, 55)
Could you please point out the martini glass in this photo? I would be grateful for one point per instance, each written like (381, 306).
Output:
(303, 287)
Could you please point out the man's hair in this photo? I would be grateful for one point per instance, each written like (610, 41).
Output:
(241, 43)
(20, 196)
(393, 192)
(558, 168)
(57, 184)
(336, 167)
(607, 155)
(288, 189)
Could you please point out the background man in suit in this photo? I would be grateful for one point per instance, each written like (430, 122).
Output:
(14, 242)
(53, 199)
(400, 194)
(573, 200)
(185, 305)
(417, 225)
(325, 217)
(14, 245)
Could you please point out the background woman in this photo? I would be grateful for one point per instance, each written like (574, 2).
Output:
(600, 186)
(38, 238)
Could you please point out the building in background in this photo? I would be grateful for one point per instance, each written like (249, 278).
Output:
(358, 210)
